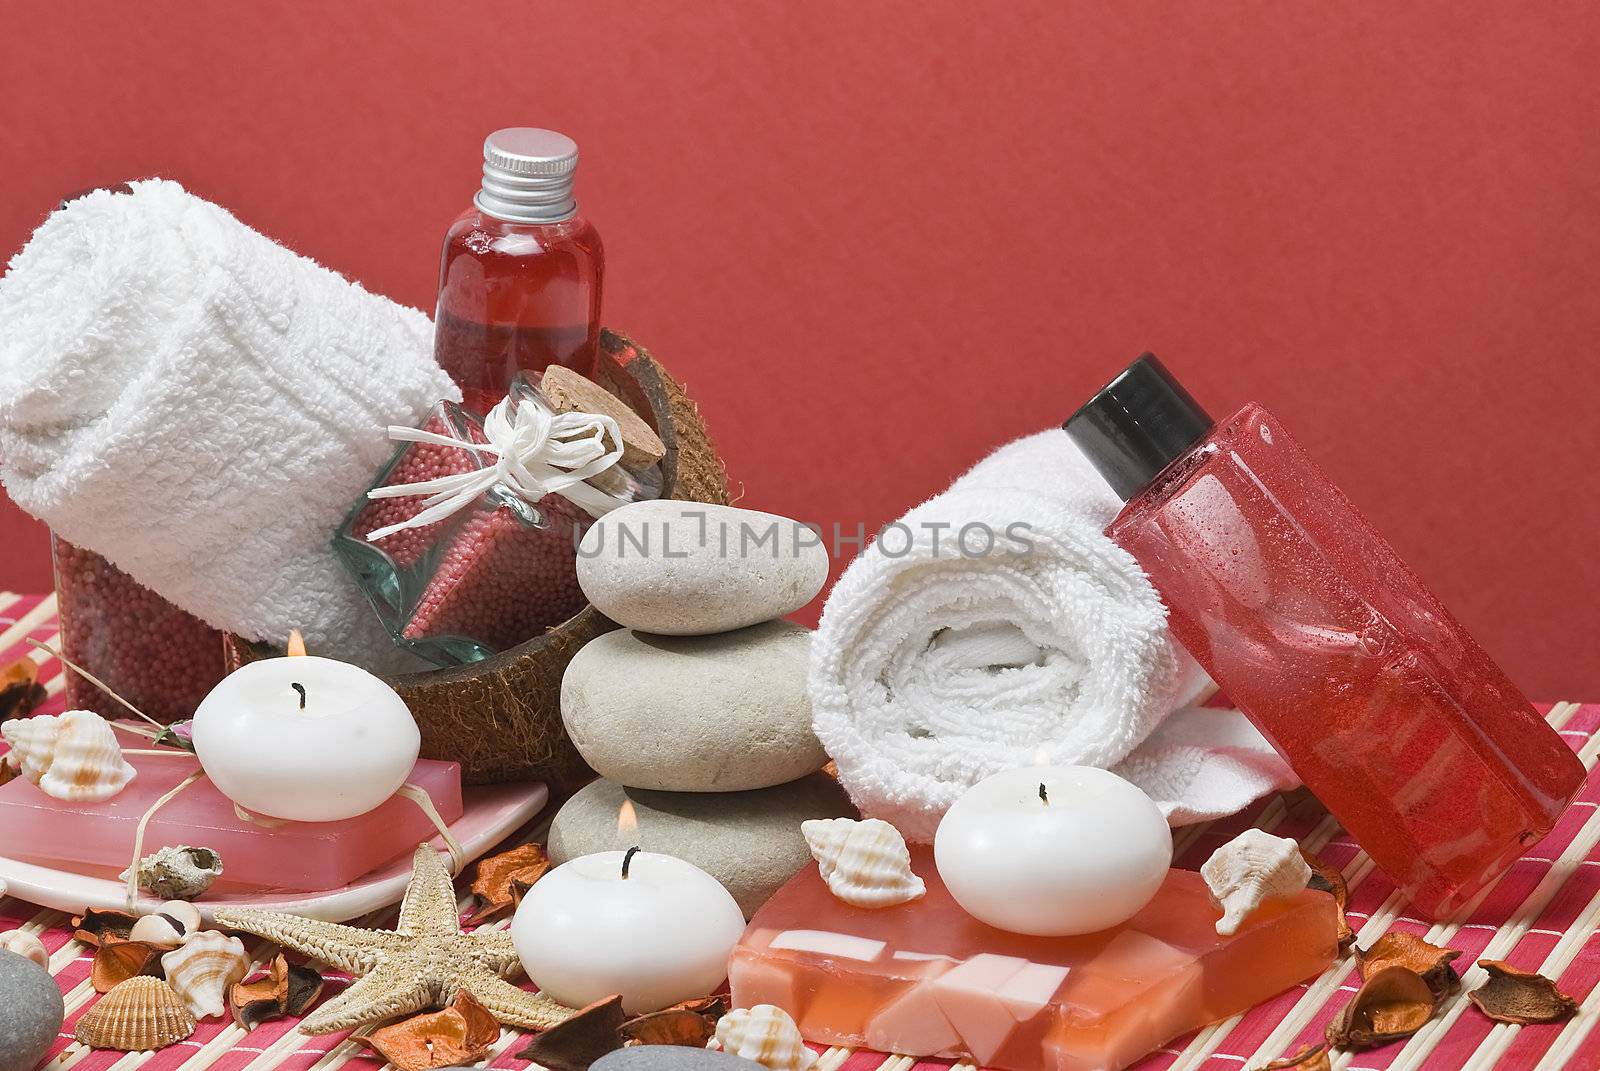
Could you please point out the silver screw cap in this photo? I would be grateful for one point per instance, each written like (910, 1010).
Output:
(528, 175)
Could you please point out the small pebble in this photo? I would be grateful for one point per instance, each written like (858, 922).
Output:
(31, 1012)
(692, 568)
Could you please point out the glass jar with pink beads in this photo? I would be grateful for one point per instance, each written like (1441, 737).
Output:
(154, 655)
(466, 545)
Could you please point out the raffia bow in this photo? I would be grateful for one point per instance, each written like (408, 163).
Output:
(536, 452)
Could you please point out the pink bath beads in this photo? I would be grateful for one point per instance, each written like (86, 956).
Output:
(414, 464)
(156, 656)
(494, 563)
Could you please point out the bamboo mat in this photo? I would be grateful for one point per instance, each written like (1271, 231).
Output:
(1542, 915)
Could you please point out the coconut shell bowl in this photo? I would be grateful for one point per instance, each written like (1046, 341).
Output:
(500, 718)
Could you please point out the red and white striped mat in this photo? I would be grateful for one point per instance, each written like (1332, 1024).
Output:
(1543, 915)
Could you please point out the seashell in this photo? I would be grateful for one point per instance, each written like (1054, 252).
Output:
(73, 756)
(865, 863)
(179, 872)
(33, 742)
(765, 1034)
(138, 1015)
(27, 945)
(167, 925)
(202, 970)
(1249, 870)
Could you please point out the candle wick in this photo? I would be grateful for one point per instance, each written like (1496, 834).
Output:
(627, 861)
(302, 690)
(1044, 797)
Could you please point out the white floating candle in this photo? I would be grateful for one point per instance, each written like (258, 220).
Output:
(656, 933)
(1053, 850)
(307, 739)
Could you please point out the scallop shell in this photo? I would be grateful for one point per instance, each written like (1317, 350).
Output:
(1249, 870)
(203, 968)
(137, 1015)
(765, 1034)
(179, 872)
(73, 756)
(865, 863)
(25, 944)
(167, 925)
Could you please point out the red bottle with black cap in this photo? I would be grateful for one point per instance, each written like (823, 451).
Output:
(1383, 704)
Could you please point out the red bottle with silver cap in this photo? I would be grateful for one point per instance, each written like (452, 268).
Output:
(520, 278)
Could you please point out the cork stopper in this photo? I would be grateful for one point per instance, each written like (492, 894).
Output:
(570, 392)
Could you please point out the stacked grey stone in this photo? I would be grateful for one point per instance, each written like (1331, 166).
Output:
(696, 710)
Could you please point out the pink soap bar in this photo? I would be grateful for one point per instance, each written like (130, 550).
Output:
(927, 979)
(308, 856)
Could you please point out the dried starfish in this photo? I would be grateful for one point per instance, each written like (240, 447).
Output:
(423, 963)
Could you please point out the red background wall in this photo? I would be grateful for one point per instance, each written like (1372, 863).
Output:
(877, 239)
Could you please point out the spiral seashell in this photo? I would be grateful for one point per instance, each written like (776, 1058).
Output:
(27, 945)
(1249, 870)
(865, 863)
(203, 968)
(33, 744)
(73, 756)
(168, 925)
(765, 1034)
(138, 1015)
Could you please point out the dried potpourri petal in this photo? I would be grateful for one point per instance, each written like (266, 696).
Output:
(1393, 1004)
(496, 884)
(1310, 1058)
(285, 990)
(94, 924)
(692, 1023)
(20, 690)
(1399, 948)
(1513, 995)
(118, 959)
(305, 986)
(1330, 879)
(260, 1000)
(461, 1034)
(581, 1040)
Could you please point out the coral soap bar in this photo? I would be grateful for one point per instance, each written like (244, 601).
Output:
(289, 855)
(927, 979)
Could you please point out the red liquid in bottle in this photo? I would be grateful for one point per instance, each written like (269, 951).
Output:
(516, 297)
(1382, 703)
(519, 280)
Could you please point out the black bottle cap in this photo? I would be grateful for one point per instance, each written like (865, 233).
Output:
(1137, 425)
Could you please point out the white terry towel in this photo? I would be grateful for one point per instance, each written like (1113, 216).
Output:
(934, 668)
(201, 406)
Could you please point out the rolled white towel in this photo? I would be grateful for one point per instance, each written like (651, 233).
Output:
(935, 667)
(202, 407)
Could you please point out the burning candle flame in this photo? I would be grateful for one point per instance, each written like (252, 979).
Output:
(297, 645)
(627, 820)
